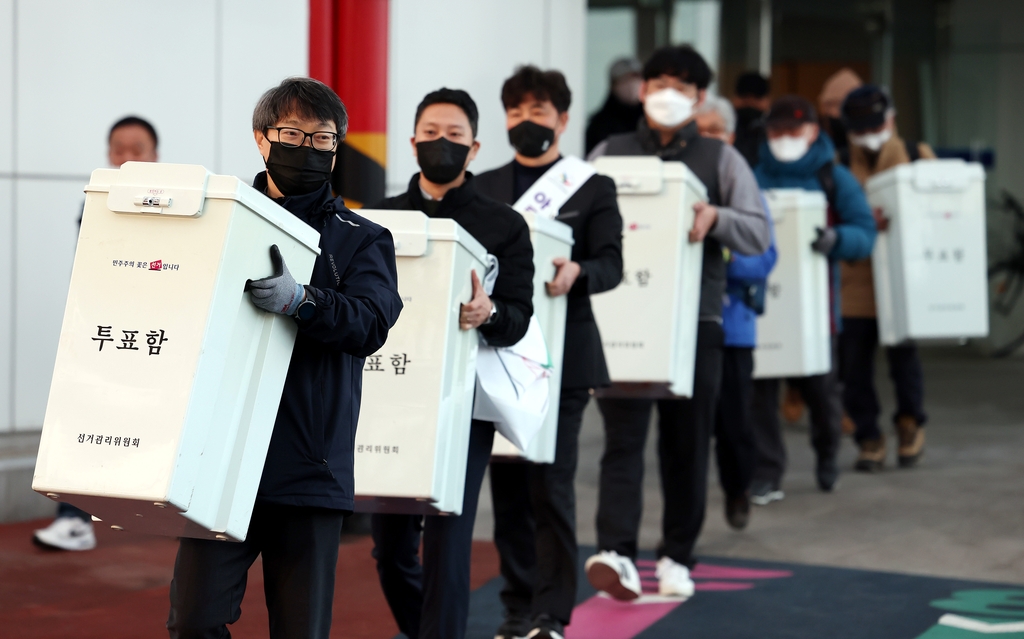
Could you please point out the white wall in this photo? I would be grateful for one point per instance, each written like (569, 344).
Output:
(474, 45)
(698, 24)
(611, 34)
(68, 70)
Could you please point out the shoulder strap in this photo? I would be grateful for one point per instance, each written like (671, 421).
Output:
(913, 150)
(553, 189)
(828, 183)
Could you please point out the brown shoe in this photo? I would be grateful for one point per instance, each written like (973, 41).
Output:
(872, 455)
(849, 427)
(792, 408)
(911, 436)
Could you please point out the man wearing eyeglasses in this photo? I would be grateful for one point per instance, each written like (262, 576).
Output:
(342, 316)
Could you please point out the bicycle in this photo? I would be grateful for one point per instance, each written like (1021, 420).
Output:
(1006, 277)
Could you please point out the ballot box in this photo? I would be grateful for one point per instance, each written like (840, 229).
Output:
(413, 435)
(930, 267)
(794, 336)
(649, 322)
(550, 239)
(167, 379)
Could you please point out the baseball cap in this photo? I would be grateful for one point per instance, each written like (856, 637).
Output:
(790, 111)
(865, 108)
(623, 67)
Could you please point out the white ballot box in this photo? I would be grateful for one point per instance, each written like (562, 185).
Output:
(412, 441)
(930, 267)
(649, 322)
(794, 337)
(550, 239)
(168, 378)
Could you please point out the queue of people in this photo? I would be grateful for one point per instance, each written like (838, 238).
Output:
(423, 562)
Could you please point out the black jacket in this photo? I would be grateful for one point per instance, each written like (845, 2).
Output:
(593, 214)
(504, 234)
(355, 287)
(614, 117)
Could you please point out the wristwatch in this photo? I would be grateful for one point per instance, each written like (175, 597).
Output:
(493, 317)
(306, 309)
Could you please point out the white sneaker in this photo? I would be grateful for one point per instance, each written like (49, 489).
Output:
(67, 533)
(610, 572)
(673, 579)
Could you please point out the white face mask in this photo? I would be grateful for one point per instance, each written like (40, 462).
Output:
(872, 141)
(668, 107)
(789, 148)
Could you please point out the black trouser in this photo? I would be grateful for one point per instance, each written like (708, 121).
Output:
(431, 600)
(822, 395)
(858, 344)
(735, 450)
(684, 439)
(67, 510)
(300, 555)
(535, 522)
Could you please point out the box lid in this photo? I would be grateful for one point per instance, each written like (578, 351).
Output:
(413, 230)
(180, 190)
(645, 175)
(782, 200)
(552, 228)
(931, 176)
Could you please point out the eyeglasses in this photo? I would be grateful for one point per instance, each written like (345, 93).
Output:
(291, 137)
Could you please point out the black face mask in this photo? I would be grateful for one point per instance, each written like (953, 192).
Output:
(441, 160)
(837, 131)
(530, 139)
(298, 170)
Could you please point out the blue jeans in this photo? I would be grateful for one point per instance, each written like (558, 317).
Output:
(67, 510)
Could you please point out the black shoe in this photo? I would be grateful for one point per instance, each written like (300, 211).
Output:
(544, 627)
(737, 511)
(515, 627)
(826, 472)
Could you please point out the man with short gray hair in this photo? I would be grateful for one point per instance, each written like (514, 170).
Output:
(717, 119)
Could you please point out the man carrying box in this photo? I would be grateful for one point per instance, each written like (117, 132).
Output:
(797, 155)
(432, 600)
(870, 120)
(675, 85)
(342, 316)
(535, 505)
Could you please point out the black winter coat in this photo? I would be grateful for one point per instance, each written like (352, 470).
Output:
(504, 234)
(355, 287)
(593, 214)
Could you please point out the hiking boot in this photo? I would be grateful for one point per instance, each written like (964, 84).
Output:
(673, 579)
(737, 511)
(792, 407)
(544, 627)
(826, 472)
(66, 533)
(610, 572)
(872, 455)
(911, 436)
(516, 626)
(763, 493)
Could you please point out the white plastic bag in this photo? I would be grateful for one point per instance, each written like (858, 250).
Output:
(512, 388)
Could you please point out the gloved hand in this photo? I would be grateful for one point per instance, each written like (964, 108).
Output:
(279, 293)
(826, 241)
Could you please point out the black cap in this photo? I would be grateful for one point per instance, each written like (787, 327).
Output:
(865, 108)
(753, 85)
(790, 111)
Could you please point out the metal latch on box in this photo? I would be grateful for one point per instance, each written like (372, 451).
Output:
(153, 203)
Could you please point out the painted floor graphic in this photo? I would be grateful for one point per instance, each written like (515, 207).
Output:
(740, 599)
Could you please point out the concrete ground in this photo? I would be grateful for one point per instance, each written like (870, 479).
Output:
(959, 514)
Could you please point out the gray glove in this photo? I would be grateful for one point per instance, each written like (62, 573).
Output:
(826, 241)
(279, 293)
